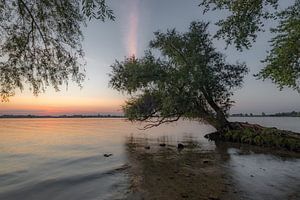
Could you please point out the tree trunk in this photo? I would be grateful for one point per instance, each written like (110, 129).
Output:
(222, 124)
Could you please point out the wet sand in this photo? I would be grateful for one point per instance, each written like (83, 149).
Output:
(229, 171)
(167, 173)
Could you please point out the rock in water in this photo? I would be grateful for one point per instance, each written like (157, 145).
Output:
(147, 147)
(107, 154)
(180, 146)
(162, 144)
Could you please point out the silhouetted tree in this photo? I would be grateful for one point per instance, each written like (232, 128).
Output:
(41, 42)
(190, 80)
(247, 18)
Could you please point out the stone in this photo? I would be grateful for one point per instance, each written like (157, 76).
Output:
(180, 146)
(213, 198)
(107, 154)
(184, 195)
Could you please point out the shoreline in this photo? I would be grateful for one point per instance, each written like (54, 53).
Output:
(166, 173)
(60, 117)
(254, 134)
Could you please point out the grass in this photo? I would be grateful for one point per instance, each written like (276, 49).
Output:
(268, 137)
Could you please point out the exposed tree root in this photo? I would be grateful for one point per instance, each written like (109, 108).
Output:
(255, 134)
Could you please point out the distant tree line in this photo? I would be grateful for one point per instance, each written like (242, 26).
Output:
(62, 116)
(281, 114)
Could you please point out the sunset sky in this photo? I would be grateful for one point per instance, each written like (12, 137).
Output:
(136, 20)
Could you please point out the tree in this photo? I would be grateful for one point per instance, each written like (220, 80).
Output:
(190, 80)
(247, 18)
(41, 42)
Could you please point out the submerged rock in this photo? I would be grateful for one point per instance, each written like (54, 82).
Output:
(162, 144)
(147, 147)
(213, 197)
(180, 146)
(107, 154)
(184, 195)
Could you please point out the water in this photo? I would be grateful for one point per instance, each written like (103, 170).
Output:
(63, 159)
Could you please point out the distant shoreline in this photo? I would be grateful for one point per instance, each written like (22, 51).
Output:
(282, 114)
(58, 117)
(261, 116)
(101, 116)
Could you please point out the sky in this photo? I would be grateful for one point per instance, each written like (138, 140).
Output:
(129, 34)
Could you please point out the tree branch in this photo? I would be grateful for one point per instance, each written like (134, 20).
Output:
(33, 20)
(161, 121)
(179, 52)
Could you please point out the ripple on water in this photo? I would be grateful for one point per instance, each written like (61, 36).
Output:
(63, 159)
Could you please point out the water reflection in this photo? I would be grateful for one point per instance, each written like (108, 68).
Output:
(164, 172)
(228, 171)
(63, 159)
(259, 173)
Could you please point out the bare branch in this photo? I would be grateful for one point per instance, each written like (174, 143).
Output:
(160, 122)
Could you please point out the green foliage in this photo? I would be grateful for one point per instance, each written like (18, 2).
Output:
(97, 9)
(244, 21)
(247, 18)
(283, 61)
(268, 137)
(41, 42)
(190, 79)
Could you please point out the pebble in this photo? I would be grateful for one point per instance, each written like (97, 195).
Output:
(184, 196)
(213, 198)
(180, 146)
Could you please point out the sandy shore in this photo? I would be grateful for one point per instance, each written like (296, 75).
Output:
(163, 172)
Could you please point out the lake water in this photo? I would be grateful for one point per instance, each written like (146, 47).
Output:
(63, 158)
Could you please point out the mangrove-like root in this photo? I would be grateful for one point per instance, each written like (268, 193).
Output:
(255, 134)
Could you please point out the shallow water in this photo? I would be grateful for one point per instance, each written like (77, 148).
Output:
(63, 159)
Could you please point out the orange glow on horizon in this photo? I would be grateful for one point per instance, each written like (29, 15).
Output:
(60, 106)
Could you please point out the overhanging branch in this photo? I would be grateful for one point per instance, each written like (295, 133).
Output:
(35, 23)
(163, 120)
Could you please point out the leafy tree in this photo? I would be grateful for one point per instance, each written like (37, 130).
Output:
(247, 18)
(283, 61)
(190, 80)
(41, 42)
